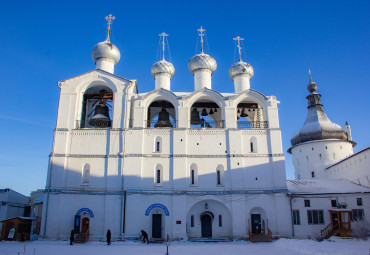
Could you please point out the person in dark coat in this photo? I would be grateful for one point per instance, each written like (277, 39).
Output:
(109, 235)
(144, 235)
(72, 238)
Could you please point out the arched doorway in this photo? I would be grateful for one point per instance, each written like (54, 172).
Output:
(206, 221)
(156, 225)
(85, 225)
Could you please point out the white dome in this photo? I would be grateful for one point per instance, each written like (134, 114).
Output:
(161, 67)
(106, 50)
(202, 61)
(241, 68)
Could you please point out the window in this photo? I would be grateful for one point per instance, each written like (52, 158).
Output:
(192, 177)
(313, 174)
(158, 176)
(315, 217)
(157, 144)
(252, 147)
(192, 221)
(357, 215)
(333, 203)
(220, 220)
(359, 201)
(307, 203)
(86, 174)
(218, 177)
(296, 217)
(253, 144)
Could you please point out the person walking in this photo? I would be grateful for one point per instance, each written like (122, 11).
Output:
(144, 235)
(109, 235)
(72, 238)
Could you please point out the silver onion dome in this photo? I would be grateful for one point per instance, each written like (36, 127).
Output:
(241, 68)
(202, 61)
(106, 50)
(163, 67)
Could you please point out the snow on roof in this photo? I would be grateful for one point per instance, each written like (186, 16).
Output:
(327, 186)
(39, 200)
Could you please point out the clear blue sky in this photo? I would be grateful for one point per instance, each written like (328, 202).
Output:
(45, 42)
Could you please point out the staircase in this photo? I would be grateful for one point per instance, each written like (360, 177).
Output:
(82, 238)
(336, 230)
(257, 238)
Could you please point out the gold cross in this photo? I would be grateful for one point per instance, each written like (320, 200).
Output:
(309, 72)
(109, 20)
(238, 38)
(200, 32)
(163, 43)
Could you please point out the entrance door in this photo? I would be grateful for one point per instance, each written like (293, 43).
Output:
(157, 226)
(256, 223)
(206, 226)
(85, 225)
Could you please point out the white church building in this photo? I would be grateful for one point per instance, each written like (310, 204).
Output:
(201, 164)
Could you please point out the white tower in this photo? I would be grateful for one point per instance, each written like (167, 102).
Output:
(202, 66)
(319, 143)
(163, 71)
(105, 54)
(241, 72)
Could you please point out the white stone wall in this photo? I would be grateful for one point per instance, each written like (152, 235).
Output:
(355, 168)
(316, 156)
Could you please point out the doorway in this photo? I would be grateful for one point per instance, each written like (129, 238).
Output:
(256, 224)
(206, 221)
(85, 225)
(157, 225)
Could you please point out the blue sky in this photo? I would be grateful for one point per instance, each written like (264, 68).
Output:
(45, 42)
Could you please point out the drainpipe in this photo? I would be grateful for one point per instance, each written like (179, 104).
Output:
(291, 196)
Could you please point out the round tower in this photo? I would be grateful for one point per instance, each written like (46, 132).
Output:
(319, 143)
(202, 66)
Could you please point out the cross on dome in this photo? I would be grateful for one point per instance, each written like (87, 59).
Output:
(109, 20)
(200, 32)
(163, 35)
(238, 38)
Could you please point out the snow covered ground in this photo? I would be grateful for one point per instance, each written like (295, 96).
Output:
(280, 247)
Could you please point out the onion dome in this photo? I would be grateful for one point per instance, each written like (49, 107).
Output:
(317, 125)
(241, 68)
(202, 61)
(106, 50)
(163, 67)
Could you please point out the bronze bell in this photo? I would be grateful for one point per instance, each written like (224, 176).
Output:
(204, 112)
(243, 114)
(163, 119)
(101, 117)
(195, 120)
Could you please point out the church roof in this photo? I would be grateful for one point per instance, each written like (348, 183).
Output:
(317, 125)
(324, 186)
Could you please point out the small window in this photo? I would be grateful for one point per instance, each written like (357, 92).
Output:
(220, 220)
(252, 147)
(158, 147)
(313, 174)
(296, 217)
(192, 177)
(315, 217)
(253, 144)
(158, 176)
(357, 215)
(86, 174)
(333, 203)
(218, 177)
(320, 156)
(192, 221)
(359, 201)
(158, 144)
(307, 203)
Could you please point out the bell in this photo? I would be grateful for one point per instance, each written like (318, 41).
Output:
(238, 110)
(195, 120)
(163, 119)
(101, 117)
(204, 112)
(243, 114)
(215, 110)
(211, 111)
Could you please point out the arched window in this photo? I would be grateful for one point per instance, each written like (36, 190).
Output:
(193, 174)
(192, 221)
(313, 174)
(253, 144)
(86, 174)
(220, 175)
(158, 144)
(158, 175)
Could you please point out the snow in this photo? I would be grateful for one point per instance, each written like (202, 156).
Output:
(325, 186)
(334, 245)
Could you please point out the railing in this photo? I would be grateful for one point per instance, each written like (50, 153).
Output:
(207, 124)
(328, 230)
(252, 124)
(82, 124)
(156, 124)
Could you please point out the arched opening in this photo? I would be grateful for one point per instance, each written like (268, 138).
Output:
(97, 108)
(158, 175)
(258, 223)
(253, 144)
(158, 144)
(206, 114)
(161, 114)
(206, 222)
(85, 223)
(86, 174)
(220, 175)
(193, 174)
(250, 115)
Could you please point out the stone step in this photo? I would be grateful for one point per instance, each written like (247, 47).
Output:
(210, 240)
(260, 238)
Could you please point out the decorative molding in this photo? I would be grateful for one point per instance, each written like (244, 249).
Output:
(206, 131)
